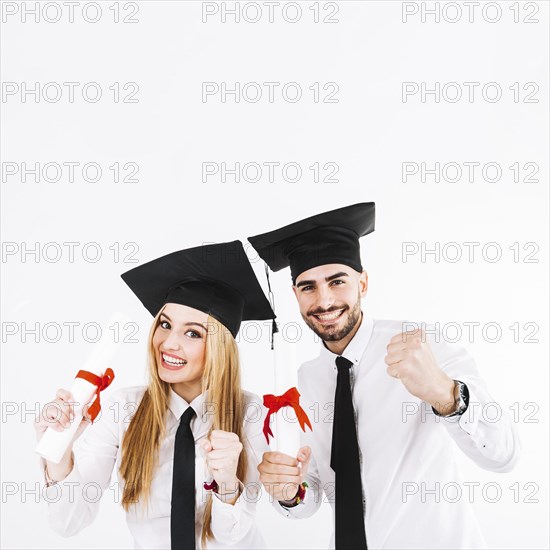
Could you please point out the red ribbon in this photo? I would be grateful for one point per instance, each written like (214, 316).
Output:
(290, 398)
(101, 382)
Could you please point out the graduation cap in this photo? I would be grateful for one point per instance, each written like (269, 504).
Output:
(216, 279)
(328, 238)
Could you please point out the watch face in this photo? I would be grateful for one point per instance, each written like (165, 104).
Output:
(464, 397)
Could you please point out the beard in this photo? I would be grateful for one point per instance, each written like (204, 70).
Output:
(332, 333)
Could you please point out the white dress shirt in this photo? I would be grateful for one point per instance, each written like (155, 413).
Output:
(98, 450)
(403, 446)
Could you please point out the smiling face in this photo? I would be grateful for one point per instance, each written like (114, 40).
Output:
(329, 297)
(179, 342)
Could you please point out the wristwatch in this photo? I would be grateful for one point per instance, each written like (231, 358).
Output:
(462, 398)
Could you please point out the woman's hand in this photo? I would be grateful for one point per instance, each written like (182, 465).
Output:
(57, 414)
(222, 451)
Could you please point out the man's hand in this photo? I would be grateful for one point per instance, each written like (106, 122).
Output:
(411, 360)
(281, 474)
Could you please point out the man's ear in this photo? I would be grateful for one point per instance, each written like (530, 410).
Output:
(363, 283)
(295, 290)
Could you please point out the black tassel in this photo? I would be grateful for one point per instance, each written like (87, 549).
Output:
(271, 297)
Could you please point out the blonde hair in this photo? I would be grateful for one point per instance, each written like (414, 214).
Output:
(141, 442)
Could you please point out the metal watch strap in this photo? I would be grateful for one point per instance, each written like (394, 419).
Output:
(462, 398)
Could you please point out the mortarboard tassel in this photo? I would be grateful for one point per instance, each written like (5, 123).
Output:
(271, 298)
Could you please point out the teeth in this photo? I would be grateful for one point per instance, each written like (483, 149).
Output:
(173, 361)
(329, 316)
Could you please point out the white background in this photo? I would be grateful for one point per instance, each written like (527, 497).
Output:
(369, 52)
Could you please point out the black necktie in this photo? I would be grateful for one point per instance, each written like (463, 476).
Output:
(182, 518)
(344, 460)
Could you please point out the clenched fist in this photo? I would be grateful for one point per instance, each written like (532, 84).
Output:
(222, 451)
(411, 360)
(281, 474)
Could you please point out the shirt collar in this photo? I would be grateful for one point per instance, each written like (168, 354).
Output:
(178, 405)
(356, 348)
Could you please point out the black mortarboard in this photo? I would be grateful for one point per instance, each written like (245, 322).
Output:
(328, 238)
(216, 279)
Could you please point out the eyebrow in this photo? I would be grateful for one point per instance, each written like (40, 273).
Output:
(196, 325)
(186, 324)
(327, 279)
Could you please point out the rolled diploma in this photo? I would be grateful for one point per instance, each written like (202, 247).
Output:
(54, 444)
(287, 429)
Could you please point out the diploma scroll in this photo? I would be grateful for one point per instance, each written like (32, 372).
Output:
(287, 428)
(53, 444)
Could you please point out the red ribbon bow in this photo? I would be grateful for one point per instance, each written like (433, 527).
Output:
(290, 398)
(101, 382)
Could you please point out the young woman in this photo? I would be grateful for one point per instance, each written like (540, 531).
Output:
(186, 446)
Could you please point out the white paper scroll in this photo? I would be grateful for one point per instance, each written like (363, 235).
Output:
(53, 444)
(287, 429)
